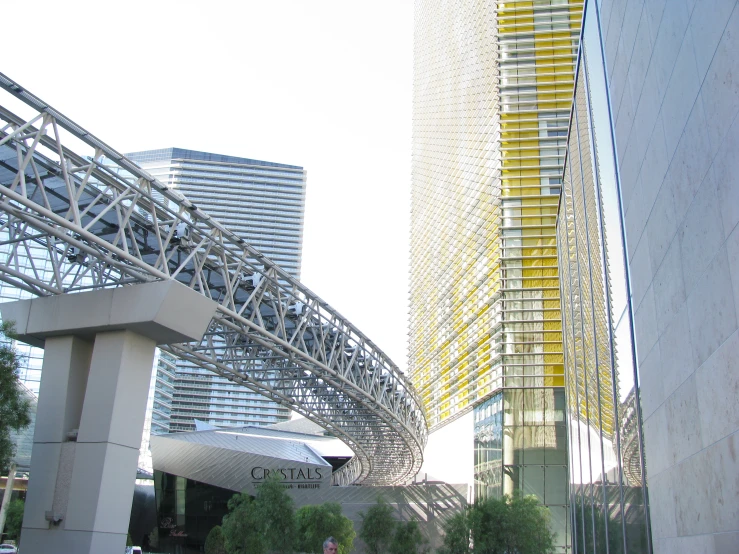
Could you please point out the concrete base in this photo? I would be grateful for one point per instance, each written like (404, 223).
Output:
(92, 403)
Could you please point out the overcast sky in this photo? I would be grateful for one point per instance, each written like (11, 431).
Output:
(322, 84)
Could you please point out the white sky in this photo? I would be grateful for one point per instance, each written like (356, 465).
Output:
(324, 84)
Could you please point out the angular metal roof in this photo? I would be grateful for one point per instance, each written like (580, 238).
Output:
(235, 458)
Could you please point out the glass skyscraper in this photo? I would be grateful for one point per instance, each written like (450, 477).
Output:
(262, 203)
(493, 86)
(647, 247)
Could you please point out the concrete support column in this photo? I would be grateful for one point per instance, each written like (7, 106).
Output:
(62, 391)
(86, 446)
(99, 353)
(508, 443)
(7, 493)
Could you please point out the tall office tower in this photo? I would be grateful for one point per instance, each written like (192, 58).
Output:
(493, 85)
(261, 202)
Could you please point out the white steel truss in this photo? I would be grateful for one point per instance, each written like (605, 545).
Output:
(88, 218)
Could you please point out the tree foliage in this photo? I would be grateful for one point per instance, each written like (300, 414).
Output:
(242, 529)
(378, 527)
(457, 535)
(14, 406)
(514, 523)
(277, 511)
(315, 523)
(530, 529)
(214, 542)
(382, 534)
(14, 519)
(489, 525)
(267, 522)
(154, 537)
(408, 539)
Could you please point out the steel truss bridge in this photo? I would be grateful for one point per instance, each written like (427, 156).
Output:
(76, 215)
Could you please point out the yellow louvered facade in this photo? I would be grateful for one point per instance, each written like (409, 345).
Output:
(493, 86)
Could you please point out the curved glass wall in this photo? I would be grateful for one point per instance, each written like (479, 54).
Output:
(608, 498)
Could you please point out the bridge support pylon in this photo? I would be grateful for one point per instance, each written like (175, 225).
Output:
(99, 351)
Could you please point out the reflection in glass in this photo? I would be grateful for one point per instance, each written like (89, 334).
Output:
(521, 444)
(186, 511)
(608, 500)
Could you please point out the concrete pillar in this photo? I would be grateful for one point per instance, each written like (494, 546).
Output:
(62, 391)
(7, 494)
(99, 352)
(509, 444)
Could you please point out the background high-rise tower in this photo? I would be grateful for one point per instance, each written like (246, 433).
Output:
(261, 202)
(493, 84)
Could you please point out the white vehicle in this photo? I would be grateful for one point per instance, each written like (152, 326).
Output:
(129, 550)
(8, 549)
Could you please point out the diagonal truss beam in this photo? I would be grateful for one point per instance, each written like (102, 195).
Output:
(77, 215)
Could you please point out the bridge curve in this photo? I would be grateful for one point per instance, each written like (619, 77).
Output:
(77, 215)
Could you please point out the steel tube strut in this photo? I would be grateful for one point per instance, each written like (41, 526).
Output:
(77, 215)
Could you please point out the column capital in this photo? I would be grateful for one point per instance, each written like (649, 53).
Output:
(164, 311)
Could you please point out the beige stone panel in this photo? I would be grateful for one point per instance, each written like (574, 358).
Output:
(717, 384)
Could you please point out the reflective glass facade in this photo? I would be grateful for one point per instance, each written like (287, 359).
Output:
(158, 404)
(493, 87)
(261, 202)
(521, 444)
(608, 498)
(186, 511)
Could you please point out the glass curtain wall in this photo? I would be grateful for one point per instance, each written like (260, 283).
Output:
(608, 498)
(520, 434)
(521, 444)
(187, 511)
(493, 86)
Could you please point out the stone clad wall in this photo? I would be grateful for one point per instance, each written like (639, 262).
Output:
(674, 81)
